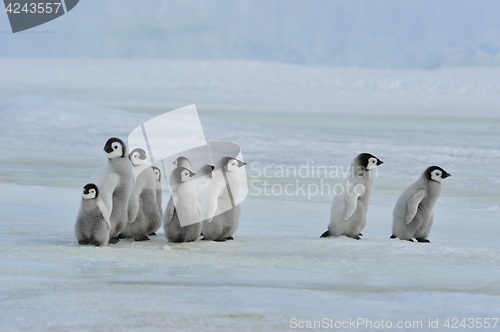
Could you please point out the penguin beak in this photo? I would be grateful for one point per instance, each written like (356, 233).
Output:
(446, 175)
(108, 149)
(85, 192)
(213, 167)
(379, 162)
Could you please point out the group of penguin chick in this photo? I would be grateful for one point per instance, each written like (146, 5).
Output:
(412, 216)
(115, 206)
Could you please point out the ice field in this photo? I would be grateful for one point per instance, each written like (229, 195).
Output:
(54, 121)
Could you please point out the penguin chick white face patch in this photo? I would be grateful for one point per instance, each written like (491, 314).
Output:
(117, 150)
(157, 175)
(436, 175)
(185, 175)
(233, 165)
(372, 163)
(136, 159)
(91, 194)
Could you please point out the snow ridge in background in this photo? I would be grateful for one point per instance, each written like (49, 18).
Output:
(243, 85)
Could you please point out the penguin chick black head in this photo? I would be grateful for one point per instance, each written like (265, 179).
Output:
(436, 173)
(115, 148)
(183, 162)
(90, 191)
(368, 161)
(157, 172)
(230, 164)
(179, 175)
(138, 157)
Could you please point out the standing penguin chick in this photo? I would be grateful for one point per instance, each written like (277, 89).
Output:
(115, 181)
(220, 208)
(413, 214)
(158, 191)
(182, 206)
(349, 208)
(143, 213)
(92, 223)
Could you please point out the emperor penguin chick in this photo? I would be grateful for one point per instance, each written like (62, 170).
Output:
(349, 208)
(413, 214)
(143, 213)
(115, 181)
(182, 218)
(220, 208)
(92, 223)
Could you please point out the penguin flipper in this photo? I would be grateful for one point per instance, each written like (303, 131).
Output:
(325, 234)
(107, 190)
(169, 211)
(133, 204)
(412, 205)
(104, 211)
(351, 200)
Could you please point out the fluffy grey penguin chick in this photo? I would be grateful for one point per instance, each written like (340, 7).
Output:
(143, 212)
(182, 206)
(115, 181)
(413, 214)
(221, 217)
(349, 208)
(92, 223)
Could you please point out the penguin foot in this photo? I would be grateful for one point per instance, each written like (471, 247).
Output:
(83, 242)
(325, 234)
(143, 238)
(360, 234)
(229, 238)
(423, 240)
(121, 236)
(203, 239)
(153, 233)
(393, 236)
(95, 243)
(355, 237)
(409, 240)
(114, 240)
(219, 240)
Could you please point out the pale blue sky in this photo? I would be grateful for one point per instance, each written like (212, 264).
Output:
(347, 33)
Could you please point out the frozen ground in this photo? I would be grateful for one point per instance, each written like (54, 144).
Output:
(277, 268)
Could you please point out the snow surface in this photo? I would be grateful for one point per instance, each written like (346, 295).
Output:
(277, 268)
